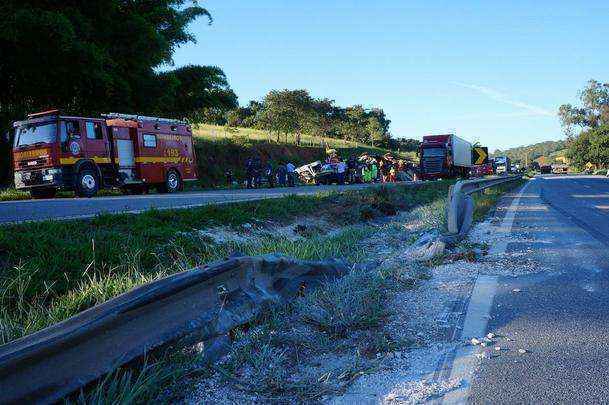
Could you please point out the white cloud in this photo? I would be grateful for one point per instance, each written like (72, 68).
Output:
(531, 110)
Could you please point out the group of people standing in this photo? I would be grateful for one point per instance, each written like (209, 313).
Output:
(256, 173)
(368, 169)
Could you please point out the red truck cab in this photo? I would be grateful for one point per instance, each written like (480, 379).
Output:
(55, 152)
(444, 156)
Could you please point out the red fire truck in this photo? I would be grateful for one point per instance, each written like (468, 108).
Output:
(56, 152)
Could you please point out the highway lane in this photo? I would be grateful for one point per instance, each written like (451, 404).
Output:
(560, 316)
(65, 208)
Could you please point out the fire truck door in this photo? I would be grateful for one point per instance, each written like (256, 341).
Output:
(96, 143)
(126, 158)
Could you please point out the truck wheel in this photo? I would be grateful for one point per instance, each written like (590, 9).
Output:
(87, 184)
(38, 193)
(173, 182)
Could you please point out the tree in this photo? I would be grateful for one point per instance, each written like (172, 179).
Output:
(195, 88)
(594, 111)
(375, 131)
(87, 56)
(287, 111)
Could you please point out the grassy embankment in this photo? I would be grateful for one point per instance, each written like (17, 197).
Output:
(219, 148)
(50, 271)
(487, 199)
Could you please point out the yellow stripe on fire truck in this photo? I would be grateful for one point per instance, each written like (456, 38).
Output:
(72, 160)
(162, 159)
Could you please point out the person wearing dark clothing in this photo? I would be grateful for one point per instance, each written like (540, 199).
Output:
(249, 173)
(229, 177)
(291, 169)
(257, 172)
(282, 175)
(270, 175)
(351, 169)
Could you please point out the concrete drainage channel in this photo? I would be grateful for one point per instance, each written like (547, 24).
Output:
(201, 305)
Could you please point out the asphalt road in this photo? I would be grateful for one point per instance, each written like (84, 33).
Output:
(64, 208)
(560, 316)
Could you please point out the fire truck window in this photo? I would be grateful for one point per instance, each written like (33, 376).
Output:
(149, 140)
(69, 129)
(94, 130)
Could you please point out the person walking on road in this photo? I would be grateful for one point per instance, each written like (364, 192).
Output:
(290, 169)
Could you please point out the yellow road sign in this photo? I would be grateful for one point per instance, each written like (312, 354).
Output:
(480, 155)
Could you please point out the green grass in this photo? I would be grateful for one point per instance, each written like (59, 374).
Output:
(11, 194)
(50, 270)
(485, 200)
(215, 132)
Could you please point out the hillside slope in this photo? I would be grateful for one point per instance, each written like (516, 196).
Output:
(533, 152)
(219, 149)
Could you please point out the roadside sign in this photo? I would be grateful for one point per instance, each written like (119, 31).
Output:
(480, 155)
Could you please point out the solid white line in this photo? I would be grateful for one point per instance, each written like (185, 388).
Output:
(476, 320)
(508, 221)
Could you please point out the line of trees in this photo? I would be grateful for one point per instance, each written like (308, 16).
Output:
(591, 118)
(296, 112)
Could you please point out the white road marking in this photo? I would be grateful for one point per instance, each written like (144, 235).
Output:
(476, 320)
(508, 222)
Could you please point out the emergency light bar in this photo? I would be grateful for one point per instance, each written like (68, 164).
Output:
(144, 118)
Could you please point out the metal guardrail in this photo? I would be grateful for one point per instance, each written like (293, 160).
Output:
(203, 304)
(460, 207)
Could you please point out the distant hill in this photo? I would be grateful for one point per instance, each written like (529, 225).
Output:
(549, 150)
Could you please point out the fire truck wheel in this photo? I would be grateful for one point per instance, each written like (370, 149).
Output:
(86, 183)
(173, 182)
(38, 193)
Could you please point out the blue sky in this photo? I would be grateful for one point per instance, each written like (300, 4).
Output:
(494, 72)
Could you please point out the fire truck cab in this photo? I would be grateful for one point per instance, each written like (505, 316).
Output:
(56, 152)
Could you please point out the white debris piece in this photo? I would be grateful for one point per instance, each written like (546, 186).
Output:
(516, 290)
(490, 335)
(522, 351)
(482, 355)
(497, 348)
(475, 341)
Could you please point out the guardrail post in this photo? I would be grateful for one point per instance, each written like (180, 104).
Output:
(460, 205)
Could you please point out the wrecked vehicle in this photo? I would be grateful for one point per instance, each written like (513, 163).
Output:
(307, 173)
(328, 174)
